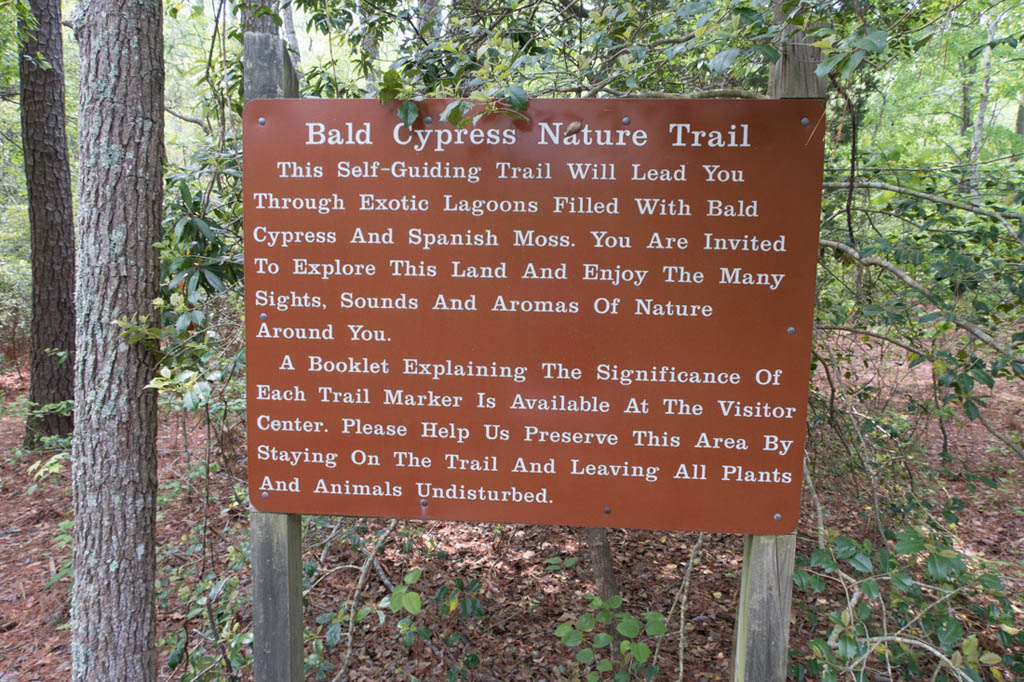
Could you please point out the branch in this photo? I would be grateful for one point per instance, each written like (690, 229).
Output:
(909, 641)
(188, 119)
(695, 94)
(1005, 441)
(1001, 217)
(865, 332)
(969, 327)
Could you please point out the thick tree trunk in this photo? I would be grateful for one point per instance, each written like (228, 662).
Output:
(113, 621)
(48, 179)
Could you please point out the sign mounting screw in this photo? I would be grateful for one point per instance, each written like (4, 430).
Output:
(778, 517)
(263, 316)
(625, 121)
(805, 121)
(262, 121)
(264, 495)
(791, 330)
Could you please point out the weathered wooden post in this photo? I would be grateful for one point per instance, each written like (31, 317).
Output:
(276, 539)
(761, 640)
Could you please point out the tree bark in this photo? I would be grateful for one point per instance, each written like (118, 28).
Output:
(979, 121)
(1020, 116)
(48, 179)
(121, 106)
(601, 563)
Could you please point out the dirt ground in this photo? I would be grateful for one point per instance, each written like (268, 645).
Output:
(522, 600)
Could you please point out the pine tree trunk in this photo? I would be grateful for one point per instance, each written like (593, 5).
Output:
(48, 179)
(113, 617)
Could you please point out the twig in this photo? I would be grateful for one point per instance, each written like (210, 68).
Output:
(187, 119)
(876, 335)
(684, 595)
(818, 511)
(1006, 441)
(909, 641)
(363, 573)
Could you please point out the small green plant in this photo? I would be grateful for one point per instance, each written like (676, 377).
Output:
(908, 608)
(63, 541)
(598, 654)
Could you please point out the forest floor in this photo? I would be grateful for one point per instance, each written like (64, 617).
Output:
(522, 600)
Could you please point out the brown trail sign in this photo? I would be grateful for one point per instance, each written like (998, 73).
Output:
(597, 316)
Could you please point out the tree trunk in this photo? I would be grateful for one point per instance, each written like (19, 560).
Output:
(113, 617)
(428, 20)
(1020, 116)
(601, 562)
(48, 179)
(979, 121)
(291, 39)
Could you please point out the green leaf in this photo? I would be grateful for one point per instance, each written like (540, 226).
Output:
(411, 602)
(641, 652)
(871, 39)
(822, 558)
(412, 576)
(585, 655)
(943, 567)
(655, 625)
(828, 64)
(629, 627)
(861, 562)
(902, 582)
(847, 647)
(408, 112)
(517, 97)
(454, 112)
(573, 638)
(214, 280)
(870, 589)
(186, 195)
(845, 547)
(333, 635)
(721, 62)
(605, 665)
(593, 676)
(949, 633)
(908, 541)
(562, 630)
(602, 639)
(852, 63)
(586, 622)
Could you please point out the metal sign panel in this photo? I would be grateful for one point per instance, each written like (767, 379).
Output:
(600, 315)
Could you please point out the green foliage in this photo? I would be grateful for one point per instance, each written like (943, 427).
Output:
(909, 608)
(622, 655)
(15, 284)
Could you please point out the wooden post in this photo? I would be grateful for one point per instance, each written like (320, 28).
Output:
(276, 546)
(276, 539)
(762, 618)
(761, 643)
